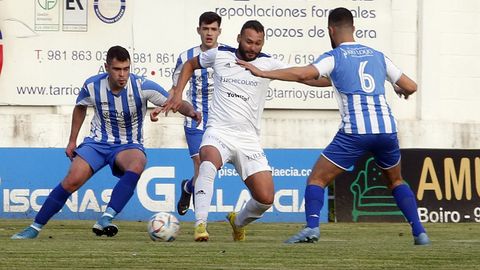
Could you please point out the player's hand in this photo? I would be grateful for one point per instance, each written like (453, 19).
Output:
(70, 150)
(173, 104)
(400, 92)
(249, 66)
(154, 114)
(197, 116)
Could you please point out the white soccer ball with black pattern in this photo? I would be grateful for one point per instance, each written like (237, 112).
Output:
(163, 227)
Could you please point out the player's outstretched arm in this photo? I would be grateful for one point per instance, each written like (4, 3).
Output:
(295, 74)
(188, 110)
(170, 94)
(176, 101)
(185, 109)
(78, 116)
(155, 112)
(321, 82)
(405, 86)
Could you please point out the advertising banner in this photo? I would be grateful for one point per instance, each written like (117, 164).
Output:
(27, 176)
(52, 46)
(446, 184)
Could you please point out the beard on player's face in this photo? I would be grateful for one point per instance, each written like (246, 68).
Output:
(247, 55)
(332, 42)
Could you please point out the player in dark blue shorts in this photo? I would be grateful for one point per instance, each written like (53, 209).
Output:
(120, 100)
(358, 75)
(199, 95)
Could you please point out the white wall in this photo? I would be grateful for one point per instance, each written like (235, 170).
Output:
(434, 42)
(449, 60)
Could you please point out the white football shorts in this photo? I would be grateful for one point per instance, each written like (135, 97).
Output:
(243, 150)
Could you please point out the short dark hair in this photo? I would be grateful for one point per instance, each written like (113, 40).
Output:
(253, 24)
(340, 17)
(119, 53)
(209, 17)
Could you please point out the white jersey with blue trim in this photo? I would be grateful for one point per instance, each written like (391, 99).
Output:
(118, 119)
(238, 97)
(199, 93)
(358, 75)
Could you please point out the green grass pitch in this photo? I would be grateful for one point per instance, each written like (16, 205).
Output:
(72, 245)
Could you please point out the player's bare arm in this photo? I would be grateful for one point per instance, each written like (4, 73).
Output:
(405, 86)
(295, 74)
(78, 116)
(252, 68)
(321, 82)
(176, 101)
(158, 110)
(170, 94)
(185, 108)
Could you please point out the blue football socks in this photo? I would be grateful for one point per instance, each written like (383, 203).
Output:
(123, 191)
(406, 202)
(54, 202)
(313, 204)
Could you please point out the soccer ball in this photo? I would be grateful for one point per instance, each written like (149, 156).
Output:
(163, 227)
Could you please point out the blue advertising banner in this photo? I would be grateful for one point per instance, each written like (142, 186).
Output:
(27, 176)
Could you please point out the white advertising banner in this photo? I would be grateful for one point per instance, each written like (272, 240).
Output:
(51, 46)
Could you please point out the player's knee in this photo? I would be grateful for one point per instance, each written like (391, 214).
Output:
(71, 184)
(136, 168)
(75, 179)
(394, 183)
(269, 197)
(137, 165)
(319, 181)
(267, 201)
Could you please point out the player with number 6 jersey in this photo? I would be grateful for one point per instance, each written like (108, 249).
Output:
(358, 74)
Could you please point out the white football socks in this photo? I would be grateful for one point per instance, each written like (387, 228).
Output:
(252, 211)
(204, 191)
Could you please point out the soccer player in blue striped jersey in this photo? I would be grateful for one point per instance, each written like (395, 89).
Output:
(199, 94)
(358, 75)
(119, 99)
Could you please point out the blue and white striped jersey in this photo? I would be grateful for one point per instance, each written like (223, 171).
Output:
(200, 90)
(118, 119)
(358, 75)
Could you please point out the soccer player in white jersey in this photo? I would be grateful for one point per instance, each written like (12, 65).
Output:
(358, 75)
(199, 94)
(119, 99)
(233, 127)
